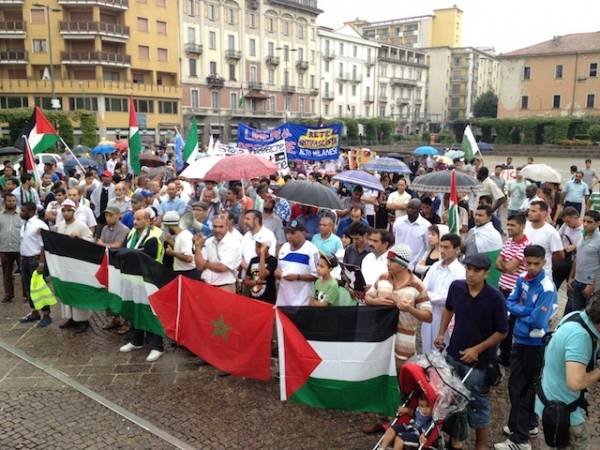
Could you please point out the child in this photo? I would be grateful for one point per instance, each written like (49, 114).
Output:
(413, 431)
(326, 291)
(260, 275)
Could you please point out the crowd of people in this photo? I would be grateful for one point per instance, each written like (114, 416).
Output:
(485, 294)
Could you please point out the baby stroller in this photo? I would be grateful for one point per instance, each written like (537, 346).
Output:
(431, 375)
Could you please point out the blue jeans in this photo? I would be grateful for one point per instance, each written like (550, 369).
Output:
(576, 301)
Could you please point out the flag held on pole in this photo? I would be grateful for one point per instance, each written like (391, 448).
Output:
(135, 143)
(190, 151)
(453, 216)
(469, 144)
(38, 132)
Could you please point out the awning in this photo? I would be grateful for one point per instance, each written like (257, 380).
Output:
(256, 94)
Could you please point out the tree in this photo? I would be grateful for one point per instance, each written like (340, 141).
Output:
(486, 105)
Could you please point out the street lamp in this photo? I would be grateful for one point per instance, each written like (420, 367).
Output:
(54, 103)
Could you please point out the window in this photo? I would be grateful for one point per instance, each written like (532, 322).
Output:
(212, 40)
(272, 104)
(340, 110)
(286, 53)
(270, 25)
(556, 101)
(326, 109)
(167, 107)
(195, 98)
(142, 24)
(192, 67)
(163, 54)
(252, 20)
(353, 111)
(300, 29)
(593, 69)
(312, 56)
(143, 52)
(14, 102)
(590, 100)
(191, 7)
(354, 51)
(354, 75)
(231, 68)
(253, 73)
(161, 27)
(233, 101)
(212, 12)
(341, 49)
(39, 46)
(214, 99)
(38, 16)
(144, 105)
(368, 72)
(558, 71)
(354, 90)
(231, 16)
(301, 104)
(286, 28)
(326, 66)
(300, 54)
(270, 49)
(113, 75)
(252, 47)
(312, 105)
(312, 81)
(340, 69)
(46, 102)
(301, 80)
(212, 67)
(271, 76)
(287, 103)
(286, 77)
(340, 88)
(191, 35)
(527, 73)
(116, 104)
(161, 3)
(326, 88)
(230, 42)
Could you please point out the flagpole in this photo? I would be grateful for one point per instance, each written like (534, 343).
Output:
(72, 154)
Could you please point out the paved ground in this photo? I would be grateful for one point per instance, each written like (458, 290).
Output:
(191, 403)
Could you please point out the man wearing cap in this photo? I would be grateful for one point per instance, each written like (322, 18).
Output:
(412, 230)
(101, 196)
(481, 323)
(137, 203)
(260, 274)
(180, 246)
(77, 318)
(120, 199)
(254, 224)
(297, 269)
(83, 213)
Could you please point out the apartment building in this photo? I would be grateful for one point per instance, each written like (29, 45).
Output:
(248, 61)
(347, 73)
(401, 87)
(557, 77)
(92, 54)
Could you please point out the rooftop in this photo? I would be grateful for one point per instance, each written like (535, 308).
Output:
(569, 43)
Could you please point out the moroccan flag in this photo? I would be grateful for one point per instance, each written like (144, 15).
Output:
(339, 357)
(468, 144)
(231, 332)
(86, 276)
(190, 151)
(39, 132)
(135, 143)
(453, 216)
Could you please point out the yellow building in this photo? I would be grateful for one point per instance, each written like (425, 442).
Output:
(102, 51)
(558, 77)
(446, 27)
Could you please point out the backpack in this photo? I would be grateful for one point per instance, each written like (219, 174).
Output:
(556, 416)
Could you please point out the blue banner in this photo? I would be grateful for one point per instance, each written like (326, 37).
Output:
(301, 141)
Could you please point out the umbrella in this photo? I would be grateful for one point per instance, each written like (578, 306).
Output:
(426, 150)
(309, 193)
(541, 172)
(121, 145)
(360, 178)
(386, 165)
(80, 149)
(8, 151)
(454, 154)
(85, 162)
(151, 160)
(444, 160)
(485, 147)
(104, 147)
(197, 170)
(440, 182)
(241, 167)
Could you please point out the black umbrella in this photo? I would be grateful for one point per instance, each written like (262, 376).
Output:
(8, 151)
(81, 149)
(151, 160)
(310, 193)
(440, 182)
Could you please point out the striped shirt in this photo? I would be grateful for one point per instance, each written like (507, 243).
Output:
(513, 250)
(595, 201)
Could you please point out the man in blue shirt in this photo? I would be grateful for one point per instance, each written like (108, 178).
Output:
(355, 216)
(532, 302)
(576, 192)
(327, 242)
(173, 202)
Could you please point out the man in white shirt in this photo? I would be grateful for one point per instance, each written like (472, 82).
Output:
(398, 200)
(82, 213)
(112, 162)
(375, 263)
(369, 198)
(437, 281)
(297, 268)
(179, 244)
(253, 220)
(540, 232)
(488, 187)
(412, 230)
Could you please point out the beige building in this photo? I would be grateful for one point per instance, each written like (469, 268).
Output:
(102, 51)
(248, 60)
(558, 77)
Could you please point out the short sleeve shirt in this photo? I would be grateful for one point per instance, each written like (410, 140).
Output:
(265, 290)
(326, 291)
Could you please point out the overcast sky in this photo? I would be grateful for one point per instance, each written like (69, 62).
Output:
(504, 24)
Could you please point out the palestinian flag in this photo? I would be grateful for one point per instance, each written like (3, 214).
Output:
(489, 242)
(468, 144)
(135, 144)
(190, 151)
(86, 276)
(29, 160)
(39, 132)
(339, 357)
(453, 216)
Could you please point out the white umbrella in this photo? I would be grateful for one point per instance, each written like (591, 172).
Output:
(197, 170)
(541, 173)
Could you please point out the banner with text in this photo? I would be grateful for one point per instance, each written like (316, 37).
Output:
(276, 153)
(301, 141)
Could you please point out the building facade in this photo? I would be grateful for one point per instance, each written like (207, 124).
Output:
(102, 51)
(248, 61)
(348, 72)
(558, 77)
(401, 87)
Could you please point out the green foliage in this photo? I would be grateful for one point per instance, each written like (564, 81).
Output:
(446, 136)
(87, 124)
(486, 105)
(594, 132)
(17, 117)
(426, 136)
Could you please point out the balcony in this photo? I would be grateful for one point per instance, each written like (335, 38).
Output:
(383, 99)
(327, 96)
(302, 66)
(314, 92)
(112, 4)
(272, 60)
(94, 58)
(234, 55)
(193, 49)
(397, 81)
(255, 85)
(328, 55)
(215, 81)
(12, 29)
(288, 89)
(307, 6)
(79, 30)
(13, 57)
(369, 98)
(370, 61)
(351, 77)
(402, 101)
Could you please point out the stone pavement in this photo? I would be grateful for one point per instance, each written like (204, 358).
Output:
(174, 394)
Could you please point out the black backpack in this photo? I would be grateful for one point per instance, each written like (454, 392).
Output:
(556, 416)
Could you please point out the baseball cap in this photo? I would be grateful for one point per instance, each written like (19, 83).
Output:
(295, 225)
(202, 205)
(400, 254)
(259, 239)
(107, 173)
(68, 204)
(112, 210)
(151, 212)
(171, 218)
(146, 193)
(478, 260)
(332, 260)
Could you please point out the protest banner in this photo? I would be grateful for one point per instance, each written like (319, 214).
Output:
(276, 153)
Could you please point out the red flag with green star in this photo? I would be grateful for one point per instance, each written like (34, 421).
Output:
(229, 331)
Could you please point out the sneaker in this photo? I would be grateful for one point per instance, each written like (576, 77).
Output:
(533, 432)
(154, 355)
(510, 445)
(7, 299)
(129, 347)
(44, 322)
(29, 318)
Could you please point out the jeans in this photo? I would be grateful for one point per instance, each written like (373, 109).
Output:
(576, 301)
(561, 271)
(8, 262)
(577, 206)
(154, 340)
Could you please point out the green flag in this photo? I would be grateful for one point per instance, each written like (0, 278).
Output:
(135, 144)
(190, 151)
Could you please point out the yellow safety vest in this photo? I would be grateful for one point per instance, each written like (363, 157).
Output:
(40, 293)
(154, 232)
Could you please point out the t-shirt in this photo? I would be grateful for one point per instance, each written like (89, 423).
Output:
(330, 246)
(75, 229)
(302, 261)
(547, 237)
(588, 176)
(267, 290)
(184, 243)
(516, 191)
(595, 201)
(513, 250)
(332, 293)
(575, 192)
(395, 198)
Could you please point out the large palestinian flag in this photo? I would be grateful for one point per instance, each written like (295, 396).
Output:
(86, 276)
(339, 357)
(489, 242)
(39, 132)
(135, 143)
